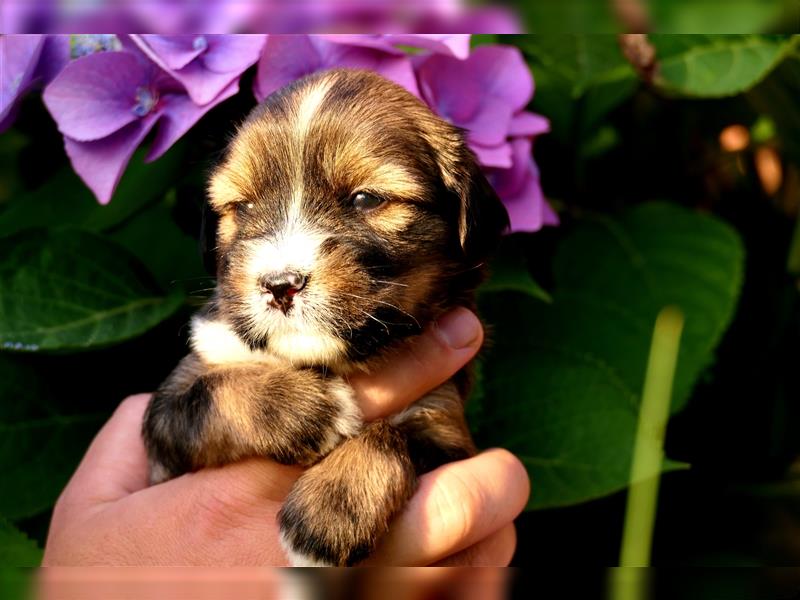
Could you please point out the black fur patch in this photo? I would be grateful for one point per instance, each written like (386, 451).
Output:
(174, 424)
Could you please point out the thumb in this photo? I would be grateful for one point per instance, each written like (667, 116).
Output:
(431, 359)
(115, 465)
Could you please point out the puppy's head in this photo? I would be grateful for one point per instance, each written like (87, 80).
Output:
(349, 216)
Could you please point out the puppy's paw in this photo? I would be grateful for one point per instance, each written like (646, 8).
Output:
(347, 421)
(339, 509)
(317, 529)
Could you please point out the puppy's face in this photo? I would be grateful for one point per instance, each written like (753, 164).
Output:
(349, 216)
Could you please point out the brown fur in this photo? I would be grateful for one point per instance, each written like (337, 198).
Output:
(264, 382)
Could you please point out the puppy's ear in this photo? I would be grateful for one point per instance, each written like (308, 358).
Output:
(209, 221)
(482, 216)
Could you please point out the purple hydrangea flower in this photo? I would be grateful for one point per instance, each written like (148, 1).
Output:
(105, 104)
(454, 44)
(27, 60)
(520, 190)
(19, 55)
(290, 57)
(390, 16)
(482, 94)
(204, 64)
(486, 95)
(187, 16)
(475, 19)
(273, 16)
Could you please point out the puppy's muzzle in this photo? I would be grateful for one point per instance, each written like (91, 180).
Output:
(281, 288)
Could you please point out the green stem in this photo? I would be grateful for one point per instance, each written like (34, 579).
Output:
(648, 455)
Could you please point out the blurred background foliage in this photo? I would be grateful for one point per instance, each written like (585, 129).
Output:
(674, 163)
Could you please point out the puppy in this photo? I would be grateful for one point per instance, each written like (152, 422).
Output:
(349, 217)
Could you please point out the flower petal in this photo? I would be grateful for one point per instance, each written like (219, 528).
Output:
(525, 209)
(520, 190)
(493, 156)
(19, 55)
(490, 124)
(528, 123)
(55, 56)
(233, 53)
(289, 57)
(284, 59)
(178, 115)
(207, 71)
(449, 44)
(486, 19)
(502, 72)
(94, 96)
(375, 41)
(169, 51)
(100, 163)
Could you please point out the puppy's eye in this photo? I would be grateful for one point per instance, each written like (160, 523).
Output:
(242, 208)
(366, 201)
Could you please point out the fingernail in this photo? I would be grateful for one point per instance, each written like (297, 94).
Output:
(459, 328)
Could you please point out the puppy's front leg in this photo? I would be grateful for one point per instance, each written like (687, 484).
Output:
(340, 508)
(210, 415)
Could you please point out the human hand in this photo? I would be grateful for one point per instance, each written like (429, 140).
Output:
(461, 514)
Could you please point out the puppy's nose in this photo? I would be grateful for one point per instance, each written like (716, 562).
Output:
(282, 287)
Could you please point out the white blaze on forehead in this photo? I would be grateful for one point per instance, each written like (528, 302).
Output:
(308, 105)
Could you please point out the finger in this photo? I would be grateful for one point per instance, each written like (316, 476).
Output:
(497, 550)
(456, 506)
(115, 465)
(430, 360)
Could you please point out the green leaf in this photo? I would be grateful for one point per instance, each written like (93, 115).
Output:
(151, 235)
(68, 290)
(579, 79)
(40, 445)
(16, 549)
(65, 200)
(583, 16)
(712, 66)
(712, 16)
(562, 381)
(38, 456)
(509, 274)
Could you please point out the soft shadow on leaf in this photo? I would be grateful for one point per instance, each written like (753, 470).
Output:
(39, 443)
(562, 381)
(168, 253)
(712, 66)
(714, 16)
(509, 273)
(579, 79)
(71, 290)
(65, 199)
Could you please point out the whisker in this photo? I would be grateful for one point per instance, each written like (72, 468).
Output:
(409, 315)
(376, 319)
